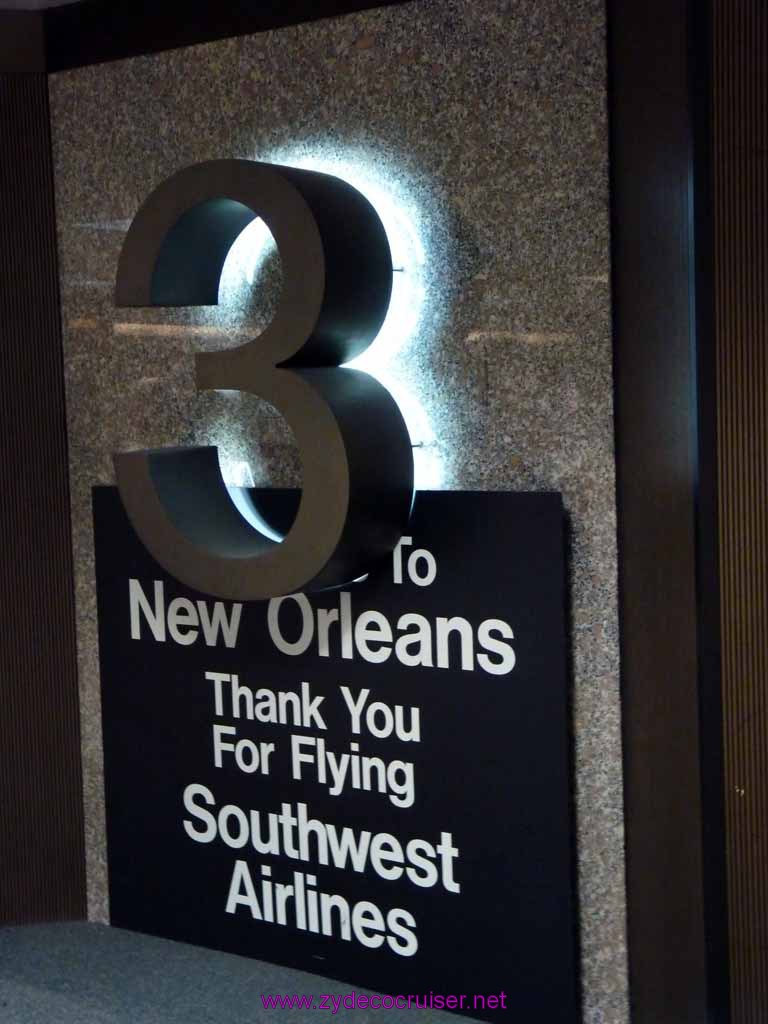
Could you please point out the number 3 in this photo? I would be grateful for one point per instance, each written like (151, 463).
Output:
(356, 457)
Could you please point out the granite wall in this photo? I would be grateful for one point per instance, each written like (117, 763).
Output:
(482, 128)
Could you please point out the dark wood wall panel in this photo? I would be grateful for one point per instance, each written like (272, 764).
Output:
(42, 863)
(664, 386)
(740, 182)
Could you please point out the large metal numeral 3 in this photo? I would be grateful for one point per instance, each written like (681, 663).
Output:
(356, 456)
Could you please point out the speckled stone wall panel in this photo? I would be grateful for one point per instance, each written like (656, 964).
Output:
(486, 121)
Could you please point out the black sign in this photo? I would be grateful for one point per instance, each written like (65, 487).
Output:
(371, 783)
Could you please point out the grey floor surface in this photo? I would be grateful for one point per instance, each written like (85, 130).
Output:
(90, 974)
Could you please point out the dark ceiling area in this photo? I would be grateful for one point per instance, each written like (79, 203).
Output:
(94, 31)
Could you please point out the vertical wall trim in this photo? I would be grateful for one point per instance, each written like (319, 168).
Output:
(42, 860)
(667, 517)
(707, 531)
(740, 183)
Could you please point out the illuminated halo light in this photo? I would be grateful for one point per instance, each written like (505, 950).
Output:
(386, 358)
(250, 251)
